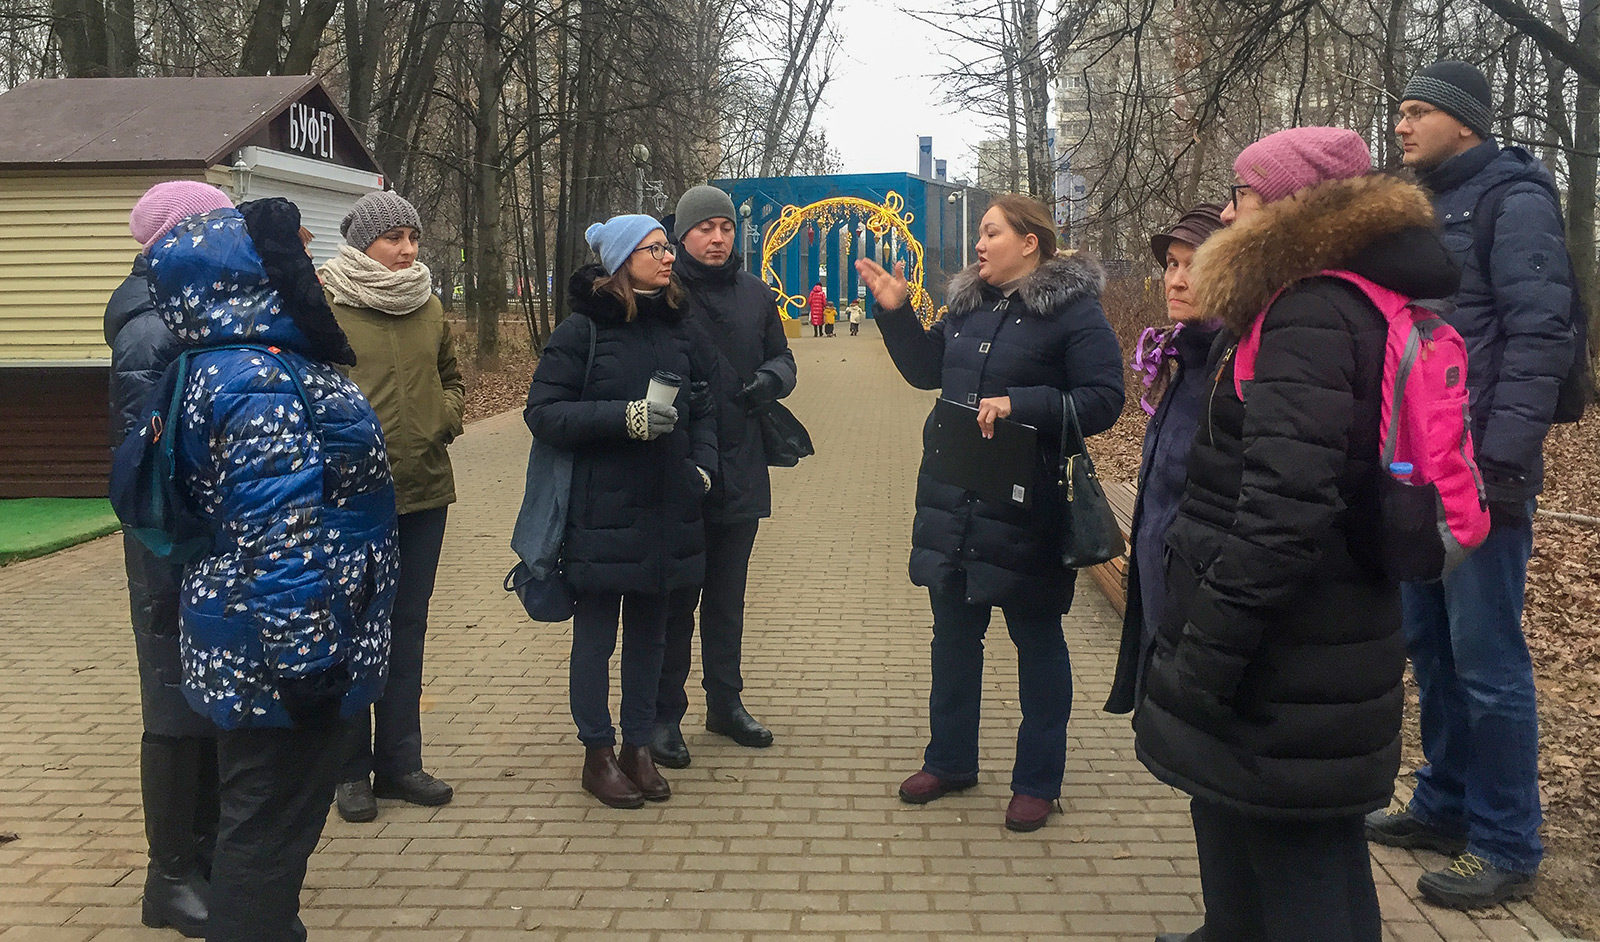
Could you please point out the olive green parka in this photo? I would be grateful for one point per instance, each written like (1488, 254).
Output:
(406, 367)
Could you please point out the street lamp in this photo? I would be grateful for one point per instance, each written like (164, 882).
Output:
(749, 230)
(641, 156)
(965, 241)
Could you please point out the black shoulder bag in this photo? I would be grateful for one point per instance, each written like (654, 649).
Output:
(1089, 532)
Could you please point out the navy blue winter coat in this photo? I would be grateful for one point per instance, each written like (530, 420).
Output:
(634, 517)
(1047, 338)
(301, 576)
(1164, 467)
(1515, 318)
(141, 347)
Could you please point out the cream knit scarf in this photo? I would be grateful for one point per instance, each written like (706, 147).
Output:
(357, 280)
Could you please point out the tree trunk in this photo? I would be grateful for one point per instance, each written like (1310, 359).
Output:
(488, 180)
(1585, 168)
(122, 47)
(260, 55)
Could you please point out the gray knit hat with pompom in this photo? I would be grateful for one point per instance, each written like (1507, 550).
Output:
(375, 214)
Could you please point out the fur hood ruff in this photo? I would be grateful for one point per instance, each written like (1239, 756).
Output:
(1057, 282)
(1239, 271)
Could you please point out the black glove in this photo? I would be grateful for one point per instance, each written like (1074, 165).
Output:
(1502, 485)
(700, 398)
(764, 388)
(312, 700)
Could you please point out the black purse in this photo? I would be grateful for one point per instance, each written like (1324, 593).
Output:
(1089, 532)
(783, 438)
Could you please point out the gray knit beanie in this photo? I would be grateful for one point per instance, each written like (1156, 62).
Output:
(696, 205)
(375, 214)
(1457, 88)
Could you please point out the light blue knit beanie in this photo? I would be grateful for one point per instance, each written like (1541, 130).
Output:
(616, 238)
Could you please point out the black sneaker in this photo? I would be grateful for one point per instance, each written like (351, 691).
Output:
(1403, 829)
(1470, 882)
(355, 802)
(417, 788)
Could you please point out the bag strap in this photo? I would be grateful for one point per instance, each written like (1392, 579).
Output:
(1071, 433)
(588, 365)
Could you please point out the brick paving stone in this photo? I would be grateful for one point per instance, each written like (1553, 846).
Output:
(805, 839)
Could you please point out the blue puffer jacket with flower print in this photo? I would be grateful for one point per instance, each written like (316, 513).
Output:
(303, 569)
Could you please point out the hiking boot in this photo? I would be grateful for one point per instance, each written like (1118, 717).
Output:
(417, 788)
(355, 801)
(1404, 829)
(1470, 882)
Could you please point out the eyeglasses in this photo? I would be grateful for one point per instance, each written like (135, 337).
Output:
(1413, 114)
(1235, 191)
(657, 250)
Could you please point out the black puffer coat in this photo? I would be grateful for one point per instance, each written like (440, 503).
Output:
(1274, 683)
(735, 318)
(141, 348)
(1048, 337)
(634, 519)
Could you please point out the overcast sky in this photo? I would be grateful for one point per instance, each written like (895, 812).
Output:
(884, 94)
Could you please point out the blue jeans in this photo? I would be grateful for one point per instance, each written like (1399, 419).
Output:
(1044, 677)
(1480, 720)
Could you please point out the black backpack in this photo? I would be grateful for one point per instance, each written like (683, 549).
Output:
(1578, 387)
(145, 492)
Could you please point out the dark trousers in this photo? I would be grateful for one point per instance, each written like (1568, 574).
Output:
(1044, 679)
(594, 637)
(721, 601)
(387, 740)
(1284, 881)
(276, 788)
(816, 330)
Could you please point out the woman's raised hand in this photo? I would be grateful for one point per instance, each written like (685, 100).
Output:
(890, 290)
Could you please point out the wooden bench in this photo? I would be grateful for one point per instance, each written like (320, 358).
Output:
(1112, 577)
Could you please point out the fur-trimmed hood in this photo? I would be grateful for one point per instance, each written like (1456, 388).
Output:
(604, 308)
(1378, 226)
(1056, 283)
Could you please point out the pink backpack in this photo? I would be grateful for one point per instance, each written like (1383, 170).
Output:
(1434, 512)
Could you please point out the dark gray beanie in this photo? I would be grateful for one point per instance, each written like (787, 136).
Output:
(1457, 88)
(375, 214)
(698, 204)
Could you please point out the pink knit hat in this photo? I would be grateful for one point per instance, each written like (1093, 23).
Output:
(1286, 162)
(161, 206)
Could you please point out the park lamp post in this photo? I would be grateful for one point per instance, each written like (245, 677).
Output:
(749, 230)
(641, 156)
(965, 241)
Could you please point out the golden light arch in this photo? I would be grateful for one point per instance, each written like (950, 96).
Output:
(879, 218)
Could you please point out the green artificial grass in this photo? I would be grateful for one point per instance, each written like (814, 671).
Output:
(35, 526)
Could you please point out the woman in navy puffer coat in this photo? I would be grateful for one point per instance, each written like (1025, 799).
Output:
(1024, 331)
(284, 625)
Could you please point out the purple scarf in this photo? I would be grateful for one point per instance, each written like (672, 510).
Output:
(1154, 346)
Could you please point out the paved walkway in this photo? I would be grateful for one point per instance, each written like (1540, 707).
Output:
(803, 840)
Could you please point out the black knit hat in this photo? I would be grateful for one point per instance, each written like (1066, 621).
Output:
(1457, 88)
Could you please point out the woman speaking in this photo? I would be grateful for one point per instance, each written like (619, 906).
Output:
(1024, 332)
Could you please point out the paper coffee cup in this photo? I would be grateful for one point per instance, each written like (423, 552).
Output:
(664, 387)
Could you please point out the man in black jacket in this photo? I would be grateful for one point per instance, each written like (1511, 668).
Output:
(736, 315)
(1477, 799)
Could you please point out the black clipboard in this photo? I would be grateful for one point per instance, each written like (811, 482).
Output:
(999, 469)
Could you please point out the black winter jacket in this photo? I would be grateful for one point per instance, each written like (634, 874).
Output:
(1047, 338)
(1274, 685)
(1515, 317)
(734, 316)
(1163, 469)
(141, 348)
(634, 518)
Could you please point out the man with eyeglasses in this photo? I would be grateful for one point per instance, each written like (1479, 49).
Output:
(734, 315)
(1477, 800)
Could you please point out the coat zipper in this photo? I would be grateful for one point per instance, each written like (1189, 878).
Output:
(1211, 401)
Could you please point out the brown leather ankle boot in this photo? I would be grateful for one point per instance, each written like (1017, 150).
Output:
(603, 779)
(640, 768)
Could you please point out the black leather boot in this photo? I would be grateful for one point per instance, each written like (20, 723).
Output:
(174, 890)
(207, 806)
